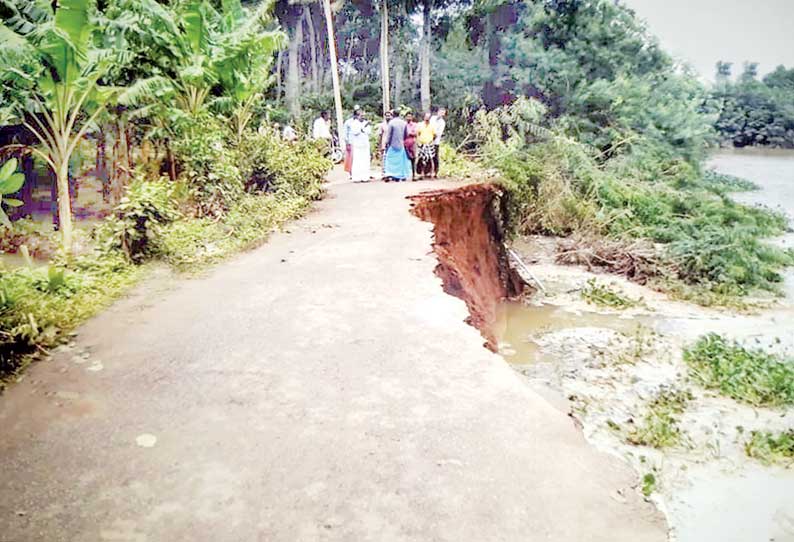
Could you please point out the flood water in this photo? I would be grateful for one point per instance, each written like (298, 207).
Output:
(730, 497)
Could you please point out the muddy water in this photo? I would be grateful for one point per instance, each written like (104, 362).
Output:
(708, 489)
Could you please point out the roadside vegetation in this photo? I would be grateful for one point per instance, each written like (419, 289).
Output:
(176, 93)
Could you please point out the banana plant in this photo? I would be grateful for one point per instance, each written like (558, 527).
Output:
(10, 183)
(205, 53)
(65, 92)
(246, 54)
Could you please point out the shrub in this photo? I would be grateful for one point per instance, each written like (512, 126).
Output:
(295, 169)
(139, 217)
(209, 165)
(748, 375)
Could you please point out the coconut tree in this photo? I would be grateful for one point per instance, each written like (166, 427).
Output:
(64, 92)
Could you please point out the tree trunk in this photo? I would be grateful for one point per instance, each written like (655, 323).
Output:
(279, 78)
(329, 22)
(293, 70)
(384, 55)
(64, 204)
(424, 86)
(398, 77)
(307, 13)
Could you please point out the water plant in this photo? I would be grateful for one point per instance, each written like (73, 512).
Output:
(660, 428)
(604, 295)
(748, 375)
(771, 448)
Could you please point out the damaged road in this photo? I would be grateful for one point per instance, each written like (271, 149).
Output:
(322, 387)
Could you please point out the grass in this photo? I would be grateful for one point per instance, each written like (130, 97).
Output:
(604, 296)
(659, 428)
(39, 307)
(770, 448)
(191, 244)
(747, 375)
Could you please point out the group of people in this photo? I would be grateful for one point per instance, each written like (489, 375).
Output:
(409, 149)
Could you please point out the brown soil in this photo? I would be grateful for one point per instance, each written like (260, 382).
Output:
(468, 240)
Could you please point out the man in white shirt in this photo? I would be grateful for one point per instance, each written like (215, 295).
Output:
(439, 123)
(346, 139)
(321, 129)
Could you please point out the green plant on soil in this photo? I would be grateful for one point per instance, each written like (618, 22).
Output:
(648, 484)
(190, 245)
(38, 307)
(748, 375)
(659, 427)
(10, 183)
(605, 296)
(771, 448)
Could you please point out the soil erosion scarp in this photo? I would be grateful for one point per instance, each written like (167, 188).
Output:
(468, 240)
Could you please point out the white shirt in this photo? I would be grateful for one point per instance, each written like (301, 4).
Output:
(438, 125)
(289, 134)
(321, 129)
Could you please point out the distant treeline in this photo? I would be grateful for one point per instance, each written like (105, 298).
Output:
(755, 111)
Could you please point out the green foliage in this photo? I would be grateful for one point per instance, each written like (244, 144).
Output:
(752, 112)
(139, 218)
(189, 245)
(38, 307)
(209, 164)
(289, 169)
(10, 183)
(558, 186)
(722, 182)
(748, 375)
(605, 296)
(648, 484)
(770, 448)
(659, 428)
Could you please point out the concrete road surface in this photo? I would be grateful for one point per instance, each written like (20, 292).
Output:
(321, 387)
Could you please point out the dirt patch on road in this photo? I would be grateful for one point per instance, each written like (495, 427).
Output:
(468, 240)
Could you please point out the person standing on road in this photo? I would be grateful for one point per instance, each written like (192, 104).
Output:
(359, 142)
(396, 166)
(425, 136)
(346, 139)
(410, 141)
(439, 124)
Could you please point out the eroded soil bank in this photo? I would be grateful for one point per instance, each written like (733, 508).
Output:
(468, 240)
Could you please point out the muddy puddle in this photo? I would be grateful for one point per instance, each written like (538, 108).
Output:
(604, 366)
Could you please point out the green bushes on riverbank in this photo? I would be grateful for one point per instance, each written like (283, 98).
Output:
(703, 245)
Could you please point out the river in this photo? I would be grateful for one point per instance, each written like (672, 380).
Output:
(603, 366)
(773, 171)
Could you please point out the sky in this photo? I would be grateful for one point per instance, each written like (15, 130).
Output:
(701, 32)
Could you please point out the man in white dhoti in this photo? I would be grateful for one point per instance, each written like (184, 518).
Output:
(359, 143)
